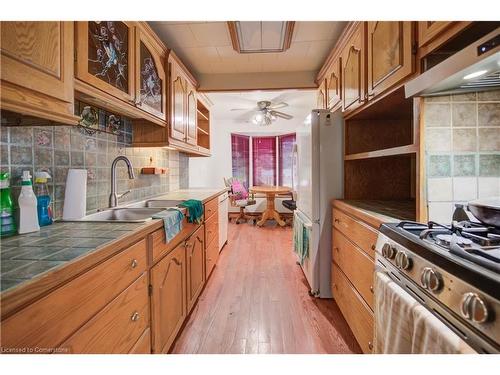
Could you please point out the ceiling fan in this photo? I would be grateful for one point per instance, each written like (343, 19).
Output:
(266, 113)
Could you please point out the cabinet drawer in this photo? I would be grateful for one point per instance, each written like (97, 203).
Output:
(212, 230)
(52, 319)
(356, 313)
(211, 207)
(118, 326)
(359, 233)
(212, 254)
(143, 345)
(355, 264)
(160, 247)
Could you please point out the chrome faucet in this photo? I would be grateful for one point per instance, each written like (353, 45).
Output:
(113, 197)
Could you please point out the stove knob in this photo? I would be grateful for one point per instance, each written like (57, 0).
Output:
(474, 308)
(388, 251)
(403, 261)
(431, 279)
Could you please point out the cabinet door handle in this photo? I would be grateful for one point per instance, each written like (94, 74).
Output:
(337, 221)
(370, 345)
(355, 49)
(135, 316)
(336, 249)
(134, 263)
(371, 288)
(373, 247)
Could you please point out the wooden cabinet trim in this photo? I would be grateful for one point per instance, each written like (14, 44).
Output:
(195, 260)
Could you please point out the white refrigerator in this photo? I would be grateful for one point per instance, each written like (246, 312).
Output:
(318, 178)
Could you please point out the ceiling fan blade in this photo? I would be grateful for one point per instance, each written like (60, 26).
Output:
(241, 109)
(279, 105)
(285, 116)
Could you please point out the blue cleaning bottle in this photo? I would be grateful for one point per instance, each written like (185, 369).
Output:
(43, 198)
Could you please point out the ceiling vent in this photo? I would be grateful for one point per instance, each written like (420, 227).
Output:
(261, 36)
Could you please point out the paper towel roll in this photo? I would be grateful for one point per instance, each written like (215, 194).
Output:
(75, 196)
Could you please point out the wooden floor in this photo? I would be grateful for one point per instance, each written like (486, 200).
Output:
(256, 301)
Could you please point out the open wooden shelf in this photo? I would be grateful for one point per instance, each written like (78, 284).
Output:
(400, 150)
(201, 114)
(200, 130)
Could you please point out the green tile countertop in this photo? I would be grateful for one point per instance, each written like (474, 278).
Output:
(33, 263)
(24, 257)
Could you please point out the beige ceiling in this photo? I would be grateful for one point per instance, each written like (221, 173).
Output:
(205, 47)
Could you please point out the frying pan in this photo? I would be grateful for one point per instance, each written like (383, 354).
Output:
(486, 210)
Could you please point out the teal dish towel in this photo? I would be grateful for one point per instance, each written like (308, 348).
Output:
(195, 210)
(301, 238)
(172, 222)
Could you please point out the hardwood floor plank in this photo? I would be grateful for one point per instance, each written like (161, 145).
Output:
(257, 301)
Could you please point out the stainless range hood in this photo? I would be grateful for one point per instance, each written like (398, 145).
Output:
(474, 68)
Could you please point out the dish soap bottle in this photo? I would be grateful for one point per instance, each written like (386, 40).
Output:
(28, 217)
(43, 198)
(8, 224)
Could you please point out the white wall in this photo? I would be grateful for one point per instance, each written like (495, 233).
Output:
(210, 171)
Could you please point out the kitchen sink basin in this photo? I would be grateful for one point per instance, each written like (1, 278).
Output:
(123, 215)
(156, 203)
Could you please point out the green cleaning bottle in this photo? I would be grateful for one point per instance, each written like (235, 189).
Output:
(8, 224)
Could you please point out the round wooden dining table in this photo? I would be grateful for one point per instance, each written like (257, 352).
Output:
(270, 211)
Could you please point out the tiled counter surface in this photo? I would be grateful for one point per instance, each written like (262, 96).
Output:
(36, 262)
(25, 257)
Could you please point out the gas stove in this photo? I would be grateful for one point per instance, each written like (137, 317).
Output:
(479, 244)
(453, 270)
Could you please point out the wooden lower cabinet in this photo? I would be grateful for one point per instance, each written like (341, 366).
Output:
(365, 236)
(357, 314)
(195, 260)
(49, 321)
(143, 345)
(355, 264)
(211, 256)
(168, 302)
(118, 326)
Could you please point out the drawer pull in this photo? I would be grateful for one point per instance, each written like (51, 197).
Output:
(135, 317)
(336, 249)
(370, 345)
(371, 288)
(134, 263)
(337, 220)
(373, 247)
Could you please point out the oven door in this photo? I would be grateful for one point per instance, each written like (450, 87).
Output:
(404, 323)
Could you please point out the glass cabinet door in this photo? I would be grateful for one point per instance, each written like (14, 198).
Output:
(105, 56)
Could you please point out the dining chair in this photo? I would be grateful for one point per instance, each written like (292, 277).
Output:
(239, 197)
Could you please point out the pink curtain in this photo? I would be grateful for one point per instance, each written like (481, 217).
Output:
(264, 160)
(240, 147)
(286, 143)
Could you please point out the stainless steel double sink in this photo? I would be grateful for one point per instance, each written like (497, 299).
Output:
(134, 213)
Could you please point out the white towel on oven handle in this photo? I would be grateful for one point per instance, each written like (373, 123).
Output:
(404, 326)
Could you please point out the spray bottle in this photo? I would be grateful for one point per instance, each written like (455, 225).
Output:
(8, 224)
(28, 217)
(43, 198)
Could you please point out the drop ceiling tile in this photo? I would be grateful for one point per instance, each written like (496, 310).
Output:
(229, 52)
(211, 34)
(177, 36)
(311, 30)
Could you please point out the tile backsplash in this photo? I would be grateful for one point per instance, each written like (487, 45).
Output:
(462, 146)
(59, 148)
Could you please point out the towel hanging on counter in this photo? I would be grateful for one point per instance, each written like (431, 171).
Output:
(172, 222)
(195, 210)
(300, 238)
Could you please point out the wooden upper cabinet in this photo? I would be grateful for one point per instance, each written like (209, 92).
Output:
(390, 58)
(192, 129)
(37, 69)
(334, 85)
(353, 70)
(428, 30)
(151, 82)
(178, 104)
(105, 56)
(195, 255)
(168, 304)
(320, 96)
